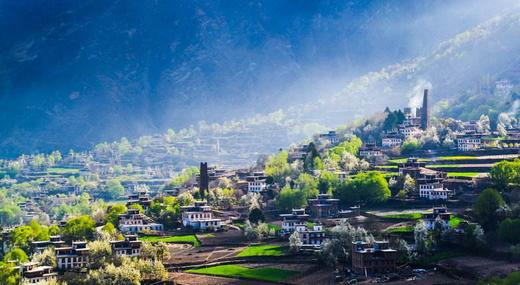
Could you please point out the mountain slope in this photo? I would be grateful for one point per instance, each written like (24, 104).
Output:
(76, 73)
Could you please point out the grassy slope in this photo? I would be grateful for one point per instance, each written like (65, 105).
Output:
(263, 250)
(173, 239)
(400, 230)
(463, 174)
(407, 216)
(264, 274)
(62, 170)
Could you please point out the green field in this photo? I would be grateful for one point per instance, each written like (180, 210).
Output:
(387, 166)
(400, 230)
(398, 160)
(274, 227)
(263, 274)
(455, 221)
(463, 174)
(61, 170)
(172, 239)
(456, 157)
(440, 158)
(443, 166)
(263, 250)
(438, 256)
(405, 216)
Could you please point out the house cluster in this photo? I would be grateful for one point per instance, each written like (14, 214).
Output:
(308, 226)
(429, 184)
(76, 257)
(311, 235)
(416, 120)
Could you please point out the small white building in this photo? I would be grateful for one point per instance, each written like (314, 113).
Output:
(256, 186)
(130, 246)
(73, 257)
(33, 273)
(391, 141)
(439, 214)
(410, 131)
(135, 222)
(370, 150)
(298, 217)
(469, 143)
(331, 137)
(311, 237)
(200, 216)
(433, 191)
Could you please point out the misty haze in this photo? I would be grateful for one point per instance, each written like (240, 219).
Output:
(260, 142)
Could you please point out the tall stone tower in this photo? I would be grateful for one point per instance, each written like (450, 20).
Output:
(203, 180)
(425, 114)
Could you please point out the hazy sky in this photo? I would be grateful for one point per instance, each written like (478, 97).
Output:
(73, 73)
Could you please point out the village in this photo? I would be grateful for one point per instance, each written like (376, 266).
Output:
(408, 198)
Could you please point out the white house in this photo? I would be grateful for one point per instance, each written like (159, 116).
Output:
(391, 141)
(311, 237)
(256, 186)
(433, 191)
(439, 214)
(200, 216)
(469, 143)
(135, 222)
(73, 257)
(410, 131)
(370, 150)
(298, 217)
(33, 273)
(130, 246)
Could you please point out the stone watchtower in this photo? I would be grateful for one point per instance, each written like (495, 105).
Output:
(203, 180)
(425, 114)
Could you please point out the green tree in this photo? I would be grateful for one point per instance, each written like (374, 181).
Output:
(100, 253)
(509, 230)
(170, 217)
(79, 228)
(289, 199)
(486, 207)
(9, 274)
(368, 187)
(393, 119)
(312, 159)
(256, 215)
(16, 254)
(410, 145)
(114, 189)
(125, 274)
(277, 166)
(349, 146)
(327, 182)
(136, 206)
(308, 184)
(110, 229)
(114, 211)
(22, 236)
(504, 173)
(46, 257)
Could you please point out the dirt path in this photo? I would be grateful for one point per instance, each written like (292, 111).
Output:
(183, 278)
